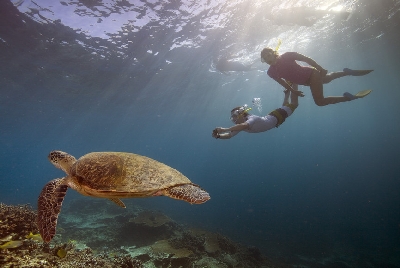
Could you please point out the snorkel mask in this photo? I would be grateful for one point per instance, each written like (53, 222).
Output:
(235, 115)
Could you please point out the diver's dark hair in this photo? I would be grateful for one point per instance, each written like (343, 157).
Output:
(268, 50)
(236, 108)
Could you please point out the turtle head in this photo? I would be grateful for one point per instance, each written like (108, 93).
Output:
(62, 160)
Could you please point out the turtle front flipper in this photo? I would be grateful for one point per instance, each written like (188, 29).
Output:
(188, 192)
(49, 206)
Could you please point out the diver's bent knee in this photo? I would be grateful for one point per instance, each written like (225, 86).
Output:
(326, 80)
(321, 102)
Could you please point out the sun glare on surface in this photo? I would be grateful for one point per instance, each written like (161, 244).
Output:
(337, 8)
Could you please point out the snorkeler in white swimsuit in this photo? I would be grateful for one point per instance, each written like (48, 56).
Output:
(255, 124)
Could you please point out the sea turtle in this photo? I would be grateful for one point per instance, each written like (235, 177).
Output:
(111, 175)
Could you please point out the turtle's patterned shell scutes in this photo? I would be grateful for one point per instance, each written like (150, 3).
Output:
(111, 175)
(127, 173)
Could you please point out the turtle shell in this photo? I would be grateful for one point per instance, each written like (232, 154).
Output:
(123, 175)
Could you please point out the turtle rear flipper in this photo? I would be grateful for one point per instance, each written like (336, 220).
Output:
(49, 206)
(188, 192)
(118, 202)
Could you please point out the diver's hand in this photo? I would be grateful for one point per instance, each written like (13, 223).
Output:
(298, 93)
(215, 133)
(323, 72)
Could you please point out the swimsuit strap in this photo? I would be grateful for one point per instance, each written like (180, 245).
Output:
(280, 115)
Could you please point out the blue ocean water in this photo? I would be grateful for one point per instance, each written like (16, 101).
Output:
(323, 185)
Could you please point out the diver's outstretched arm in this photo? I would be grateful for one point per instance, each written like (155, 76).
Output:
(225, 133)
(286, 98)
(294, 99)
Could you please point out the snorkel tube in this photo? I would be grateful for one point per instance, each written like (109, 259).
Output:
(244, 109)
(279, 45)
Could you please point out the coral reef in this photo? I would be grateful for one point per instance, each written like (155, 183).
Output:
(151, 218)
(17, 221)
(164, 247)
(131, 238)
(142, 228)
(187, 240)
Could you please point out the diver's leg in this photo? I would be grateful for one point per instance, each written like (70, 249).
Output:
(346, 71)
(317, 91)
(331, 76)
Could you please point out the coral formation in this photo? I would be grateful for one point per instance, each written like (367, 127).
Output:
(164, 247)
(209, 262)
(151, 218)
(187, 240)
(17, 221)
(132, 239)
(211, 245)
